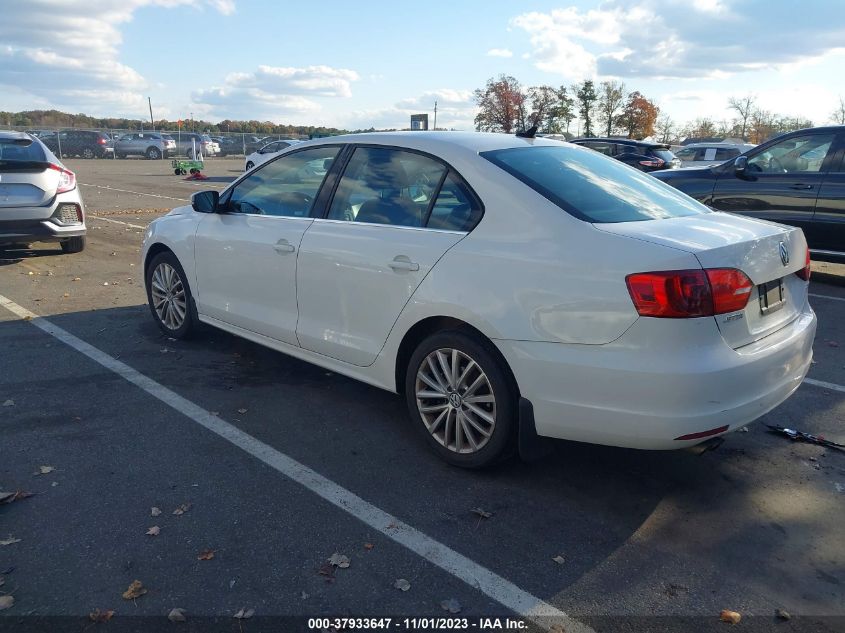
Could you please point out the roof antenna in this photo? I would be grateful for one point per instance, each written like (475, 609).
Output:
(529, 133)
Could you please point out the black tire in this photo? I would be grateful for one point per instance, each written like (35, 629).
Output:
(119, 155)
(190, 323)
(153, 153)
(88, 153)
(250, 165)
(502, 439)
(73, 244)
(177, 171)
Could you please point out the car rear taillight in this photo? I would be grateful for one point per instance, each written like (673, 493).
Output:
(678, 294)
(67, 179)
(654, 162)
(101, 141)
(804, 273)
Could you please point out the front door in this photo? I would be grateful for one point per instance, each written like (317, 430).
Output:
(246, 255)
(781, 182)
(387, 226)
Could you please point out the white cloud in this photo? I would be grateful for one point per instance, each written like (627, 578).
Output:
(67, 53)
(273, 92)
(679, 39)
(499, 52)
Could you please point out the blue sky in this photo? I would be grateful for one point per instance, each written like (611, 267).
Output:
(373, 63)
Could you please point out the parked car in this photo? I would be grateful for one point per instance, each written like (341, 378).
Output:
(267, 152)
(189, 142)
(507, 287)
(84, 143)
(797, 178)
(643, 155)
(39, 199)
(153, 145)
(708, 154)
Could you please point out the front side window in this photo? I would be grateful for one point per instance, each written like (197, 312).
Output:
(286, 186)
(386, 186)
(592, 187)
(795, 155)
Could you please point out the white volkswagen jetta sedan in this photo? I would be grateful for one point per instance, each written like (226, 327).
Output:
(509, 288)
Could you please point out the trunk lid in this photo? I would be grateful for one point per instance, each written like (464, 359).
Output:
(724, 240)
(30, 184)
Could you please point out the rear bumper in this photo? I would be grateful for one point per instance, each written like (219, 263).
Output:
(643, 391)
(40, 224)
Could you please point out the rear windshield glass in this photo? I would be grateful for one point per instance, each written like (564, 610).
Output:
(593, 187)
(14, 151)
(663, 154)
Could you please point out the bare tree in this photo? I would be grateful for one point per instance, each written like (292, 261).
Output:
(744, 107)
(665, 128)
(611, 102)
(838, 115)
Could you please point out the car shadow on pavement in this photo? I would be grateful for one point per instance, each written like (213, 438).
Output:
(686, 530)
(16, 254)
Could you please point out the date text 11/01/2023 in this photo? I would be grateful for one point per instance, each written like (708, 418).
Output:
(417, 624)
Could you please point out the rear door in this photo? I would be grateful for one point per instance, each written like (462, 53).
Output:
(781, 182)
(826, 234)
(360, 265)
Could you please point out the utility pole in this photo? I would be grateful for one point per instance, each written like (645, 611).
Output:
(435, 116)
(152, 123)
(192, 121)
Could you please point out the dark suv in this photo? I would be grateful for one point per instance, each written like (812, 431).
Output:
(797, 178)
(84, 143)
(643, 155)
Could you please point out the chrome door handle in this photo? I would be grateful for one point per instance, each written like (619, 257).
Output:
(400, 262)
(283, 246)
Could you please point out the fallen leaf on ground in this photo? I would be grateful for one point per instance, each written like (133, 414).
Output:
(326, 570)
(154, 512)
(560, 560)
(182, 509)
(242, 410)
(45, 470)
(782, 614)
(368, 546)
(9, 497)
(732, 617)
(6, 602)
(76, 279)
(105, 283)
(557, 628)
(67, 294)
(9, 541)
(833, 344)
(244, 614)
(135, 590)
(206, 554)
(482, 513)
(176, 615)
(402, 584)
(9, 403)
(451, 605)
(154, 530)
(100, 616)
(339, 560)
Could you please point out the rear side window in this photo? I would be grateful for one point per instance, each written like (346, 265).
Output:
(663, 154)
(11, 151)
(455, 208)
(592, 187)
(724, 153)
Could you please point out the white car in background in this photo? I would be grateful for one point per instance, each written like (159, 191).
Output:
(267, 152)
(708, 154)
(508, 287)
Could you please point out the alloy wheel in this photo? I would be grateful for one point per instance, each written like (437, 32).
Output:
(455, 400)
(168, 294)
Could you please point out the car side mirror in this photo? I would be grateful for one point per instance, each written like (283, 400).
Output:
(205, 201)
(741, 166)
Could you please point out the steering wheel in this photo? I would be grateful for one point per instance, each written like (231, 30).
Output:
(776, 167)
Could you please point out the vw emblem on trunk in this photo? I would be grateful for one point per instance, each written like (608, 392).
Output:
(784, 254)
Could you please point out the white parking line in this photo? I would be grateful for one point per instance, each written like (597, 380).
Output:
(137, 193)
(492, 585)
(95, 217)
(827, 297)
(825, 385)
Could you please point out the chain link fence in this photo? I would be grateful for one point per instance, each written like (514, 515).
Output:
(117, 144)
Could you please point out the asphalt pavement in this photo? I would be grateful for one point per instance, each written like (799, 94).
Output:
(643, 540)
